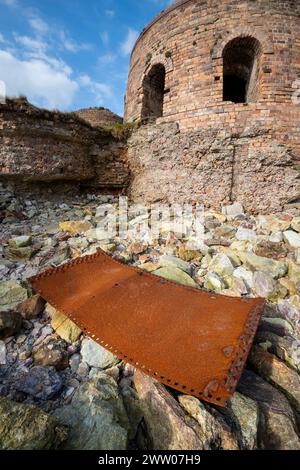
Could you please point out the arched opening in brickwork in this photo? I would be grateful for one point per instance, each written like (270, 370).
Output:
(153, 92)
(241, 64)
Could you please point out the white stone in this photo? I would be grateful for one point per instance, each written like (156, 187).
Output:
(276, 237)
(292, 238)
(245, 275)
(2, 353)
(234, 210)
(245, 234)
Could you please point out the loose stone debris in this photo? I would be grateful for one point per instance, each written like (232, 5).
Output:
(49, 370)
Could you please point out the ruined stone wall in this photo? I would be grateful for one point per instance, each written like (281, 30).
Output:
(42, 146)
(189, 39)
(214, 168)
(99, 117)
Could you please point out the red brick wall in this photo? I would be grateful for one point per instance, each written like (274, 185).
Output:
(189, 40)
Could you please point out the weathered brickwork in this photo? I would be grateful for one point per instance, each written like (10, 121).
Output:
(210, 50)
(213, 168)
(99, 117)
(42, 146)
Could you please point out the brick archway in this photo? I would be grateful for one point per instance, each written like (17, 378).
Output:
(241, 69)
(242, 32)
(158, 59)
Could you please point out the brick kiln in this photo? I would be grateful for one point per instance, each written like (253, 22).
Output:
(228, 69)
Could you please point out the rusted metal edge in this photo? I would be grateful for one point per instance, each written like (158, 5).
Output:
(233, 374)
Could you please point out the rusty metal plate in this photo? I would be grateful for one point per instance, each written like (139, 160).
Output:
(189, 339)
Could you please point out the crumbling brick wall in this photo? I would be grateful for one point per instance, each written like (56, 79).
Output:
(213, 168)
(190, 39)
(42, 146)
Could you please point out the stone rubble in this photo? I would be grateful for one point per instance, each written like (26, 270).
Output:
(69, 392)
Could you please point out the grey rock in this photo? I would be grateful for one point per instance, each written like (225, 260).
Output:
(277, 426)
(245, 414)
(96, 417)
(285, 348)
(41, 383)
(277, 373)
(96, 356)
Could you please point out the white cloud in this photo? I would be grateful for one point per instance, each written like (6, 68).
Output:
(30, 43)
(40, 81)
(10, 3)
(101, 91)
(38, 25)
(104, 37)
(110, 13)
(70, 44)
(2, 38)
(129, 41)
(107, 59)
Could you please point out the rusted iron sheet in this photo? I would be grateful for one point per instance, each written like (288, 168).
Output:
(192, 340)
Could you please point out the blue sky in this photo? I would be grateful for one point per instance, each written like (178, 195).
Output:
(70, 54)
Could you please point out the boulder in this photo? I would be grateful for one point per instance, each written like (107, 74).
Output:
(245, 414)
(26, 427)
(96, 417)
(277, 428)
(276, 269)
(277, 373)
(168, 426)
(11, 294)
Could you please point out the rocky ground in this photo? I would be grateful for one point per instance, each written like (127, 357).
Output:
(59, 389)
